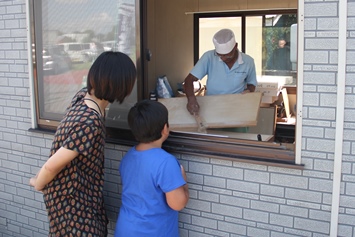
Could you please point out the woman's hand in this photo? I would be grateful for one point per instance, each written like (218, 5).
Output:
(52, 167)
(33, 181)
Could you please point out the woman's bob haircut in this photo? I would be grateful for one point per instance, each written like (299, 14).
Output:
(111, 76)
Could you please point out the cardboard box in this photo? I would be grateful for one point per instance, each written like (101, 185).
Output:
(269, 99)
(268, 92)
(270, 87)
(262, 85)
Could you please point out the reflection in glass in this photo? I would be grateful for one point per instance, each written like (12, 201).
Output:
(69, 37)
(276, 46)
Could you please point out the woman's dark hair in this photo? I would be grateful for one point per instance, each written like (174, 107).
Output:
(112, 76)
(147, 119)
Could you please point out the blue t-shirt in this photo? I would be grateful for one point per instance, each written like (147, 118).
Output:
(146, 176)
(221, 79)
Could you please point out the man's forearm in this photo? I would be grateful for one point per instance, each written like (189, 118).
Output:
(189, 86)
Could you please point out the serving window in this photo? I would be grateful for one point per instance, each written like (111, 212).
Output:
(270, 37)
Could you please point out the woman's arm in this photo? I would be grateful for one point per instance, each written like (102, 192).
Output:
(178, 198)
(52, 167)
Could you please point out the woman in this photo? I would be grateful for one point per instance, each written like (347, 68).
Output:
(73, 176)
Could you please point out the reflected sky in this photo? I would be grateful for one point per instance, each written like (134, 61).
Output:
(70, 16)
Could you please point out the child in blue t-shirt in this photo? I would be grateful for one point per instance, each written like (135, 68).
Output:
(153, 181)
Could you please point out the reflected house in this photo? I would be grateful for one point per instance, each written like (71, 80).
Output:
(82, 52)
(75, 37)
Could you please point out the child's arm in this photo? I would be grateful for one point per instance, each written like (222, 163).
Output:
(178, 198)
(52, 167)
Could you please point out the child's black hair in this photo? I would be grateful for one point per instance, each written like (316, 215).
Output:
(147, 119)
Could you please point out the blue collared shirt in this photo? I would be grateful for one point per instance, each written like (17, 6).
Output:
(221, 79)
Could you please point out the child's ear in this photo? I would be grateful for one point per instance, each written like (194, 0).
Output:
(165, 130)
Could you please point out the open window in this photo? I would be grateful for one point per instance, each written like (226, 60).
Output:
(175, 51)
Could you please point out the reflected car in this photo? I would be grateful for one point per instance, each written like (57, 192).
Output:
(55, 60)
(109, 45)
(94, 50)
(75, 50)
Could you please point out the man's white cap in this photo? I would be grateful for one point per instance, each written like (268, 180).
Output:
(224, 41)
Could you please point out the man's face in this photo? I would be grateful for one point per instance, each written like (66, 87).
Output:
(282, 43)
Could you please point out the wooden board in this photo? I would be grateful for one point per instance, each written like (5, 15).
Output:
(286, 102)
(233, 110)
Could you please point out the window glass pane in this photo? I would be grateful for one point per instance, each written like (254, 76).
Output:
(69, 37)
(253, 43)
(276, 47)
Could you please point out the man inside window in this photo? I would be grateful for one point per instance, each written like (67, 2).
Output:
(228, 70)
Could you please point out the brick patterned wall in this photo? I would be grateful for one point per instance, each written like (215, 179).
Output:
(227, 198)
(347, 198)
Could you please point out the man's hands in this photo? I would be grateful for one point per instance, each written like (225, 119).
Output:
(192, 106)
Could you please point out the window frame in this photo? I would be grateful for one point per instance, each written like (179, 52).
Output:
(191, 144)
(216, 147)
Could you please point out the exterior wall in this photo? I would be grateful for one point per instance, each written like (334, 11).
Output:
(227, 198)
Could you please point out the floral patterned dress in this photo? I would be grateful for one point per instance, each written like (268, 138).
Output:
(74, 198)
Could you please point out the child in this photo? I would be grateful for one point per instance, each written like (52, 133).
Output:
(154, 183)
(72, 178)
